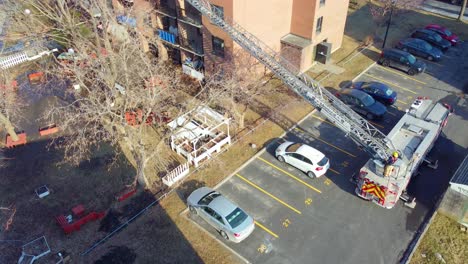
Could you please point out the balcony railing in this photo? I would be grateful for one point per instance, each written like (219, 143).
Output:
(167, 37)
(190, 16)
(166, 10)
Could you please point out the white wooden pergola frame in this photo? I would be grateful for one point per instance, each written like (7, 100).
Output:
(197, 134)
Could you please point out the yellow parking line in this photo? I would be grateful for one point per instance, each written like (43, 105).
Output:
(290, 175)
(382, 80)
(342, 150)
(269, 194)
(401, 102)
(266, 229)
(399, 73)
(323, 120)
(332, 170)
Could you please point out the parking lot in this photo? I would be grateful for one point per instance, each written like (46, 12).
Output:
(304, 220)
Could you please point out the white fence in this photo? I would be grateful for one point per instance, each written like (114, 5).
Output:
(177, 174)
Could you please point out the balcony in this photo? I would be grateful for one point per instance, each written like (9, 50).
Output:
(166, 8)
(168, 37)
(190, 16)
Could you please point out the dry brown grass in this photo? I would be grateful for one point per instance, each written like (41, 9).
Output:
(444, 237)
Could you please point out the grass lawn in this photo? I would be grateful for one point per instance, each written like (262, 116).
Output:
(444, 237)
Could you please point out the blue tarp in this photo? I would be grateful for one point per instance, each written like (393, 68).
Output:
(167, 36)
(127, 20)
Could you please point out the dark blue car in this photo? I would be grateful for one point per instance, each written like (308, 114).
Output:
(378, 91)
(420, 48)
(362, 103)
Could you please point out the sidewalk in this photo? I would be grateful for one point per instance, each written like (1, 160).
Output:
(442, 8)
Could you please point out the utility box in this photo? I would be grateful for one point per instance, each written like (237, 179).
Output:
(323, 52)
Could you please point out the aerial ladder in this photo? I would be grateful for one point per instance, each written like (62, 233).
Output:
(357, 128)
(412, 137)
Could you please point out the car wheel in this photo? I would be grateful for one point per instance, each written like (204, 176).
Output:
(370, 116)
(281, 158)
(224, 235)
(311, 174)
(411, 72)
(192, 209)
(430, 58)
(385, 63)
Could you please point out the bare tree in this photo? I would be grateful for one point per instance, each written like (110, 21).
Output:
(120, 94)
(380, 9)
(461, 15)
(243, 80)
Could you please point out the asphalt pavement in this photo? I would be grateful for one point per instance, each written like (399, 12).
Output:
(304, 220)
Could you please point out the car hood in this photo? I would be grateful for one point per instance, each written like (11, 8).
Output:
(453, 37)
(445, 43)
(435, 52)
(282, 148)
(196, 195)
(377, 109)
(419, 64)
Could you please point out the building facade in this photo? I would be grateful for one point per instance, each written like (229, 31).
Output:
(304, 31)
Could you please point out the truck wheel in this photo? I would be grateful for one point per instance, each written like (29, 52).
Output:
(411, 72)
(385, 63)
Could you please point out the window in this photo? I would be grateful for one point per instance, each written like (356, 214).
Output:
(318, 28)
(322, 2)
(218, 10)
(218, 46)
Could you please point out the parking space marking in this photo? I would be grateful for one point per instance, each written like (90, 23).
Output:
(399, 73)
(332, 170)
(323, 120)
(401, 102)
(390, 113)
(393, 84)
(290, 175)
(266, 229)
(269, 194)
(330, 144)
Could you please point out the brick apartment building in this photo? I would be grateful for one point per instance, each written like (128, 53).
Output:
(304, 31)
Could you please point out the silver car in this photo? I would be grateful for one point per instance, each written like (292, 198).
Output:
(231, 222)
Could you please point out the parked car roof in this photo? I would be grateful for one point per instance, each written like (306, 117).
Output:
(310, 153)
(222, 205)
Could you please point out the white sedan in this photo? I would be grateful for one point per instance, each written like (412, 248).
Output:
(305, 158)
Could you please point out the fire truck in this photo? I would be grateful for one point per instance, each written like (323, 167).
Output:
(412, 137)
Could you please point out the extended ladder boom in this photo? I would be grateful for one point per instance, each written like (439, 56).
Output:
(363, 133)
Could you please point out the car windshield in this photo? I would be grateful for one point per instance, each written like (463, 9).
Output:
(205, 200)
(437, 37)
(323, 161)
(293, 147)
(389, 92)
(411, 59)
(236, 217)
(447, 33)
(426, 46)
(367, 100)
